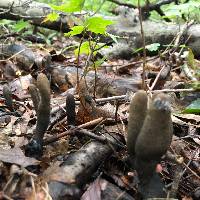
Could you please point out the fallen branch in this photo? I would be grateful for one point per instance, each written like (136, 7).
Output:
(71, 131)
(66, 180)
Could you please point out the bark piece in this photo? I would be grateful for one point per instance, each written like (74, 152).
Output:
(67, 180)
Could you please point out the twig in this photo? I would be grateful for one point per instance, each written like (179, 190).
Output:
(193, 172)
(8, 35)
(113, 98)
(177, 90)
(147, 7)
(13, 55)
(187, 166)
(98, 137)
(78, 61)
(91, 123)
(46, 191)
(33, 188)
(122, 3)
(156, 79)
(15, 113)
(188, 72)
(71, 131)
(179, 174)
(130, 65)
(123, 97)
(181, 32)
(144, 49)
(186, 41)
(100, 100)
(6, 197)
(144, 8)
(188, 136)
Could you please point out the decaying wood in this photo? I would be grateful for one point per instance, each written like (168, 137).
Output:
(66, 179)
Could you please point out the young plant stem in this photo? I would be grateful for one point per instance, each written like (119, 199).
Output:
(143, 41)
(95, 70)
(78, 61)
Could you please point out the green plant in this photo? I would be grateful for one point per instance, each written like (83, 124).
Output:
(18, 27)
(151, 47)
(186, 11)
(91, 28)
(94, 28)
(194, 107)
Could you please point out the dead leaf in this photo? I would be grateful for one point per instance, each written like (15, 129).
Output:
(93, 191)
(16, 156)
(187, 198)
(20, 85)
(189, 117)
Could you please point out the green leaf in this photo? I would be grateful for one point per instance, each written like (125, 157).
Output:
(97, 24)
(61, 8)
(194, 107)
(195, 85)
(173, 13)
(5, 22)
(20, 25)
(197, 74)
(153, 47)
(52, 17)
(113, 37)
(84, 49)
(185, 7)
(70, 6)
(75, 31)
(137, 50)
(99, 62)
(190, 59)
(87, 47)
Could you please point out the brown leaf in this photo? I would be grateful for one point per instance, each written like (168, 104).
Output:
(93, 191)
(16, 156)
